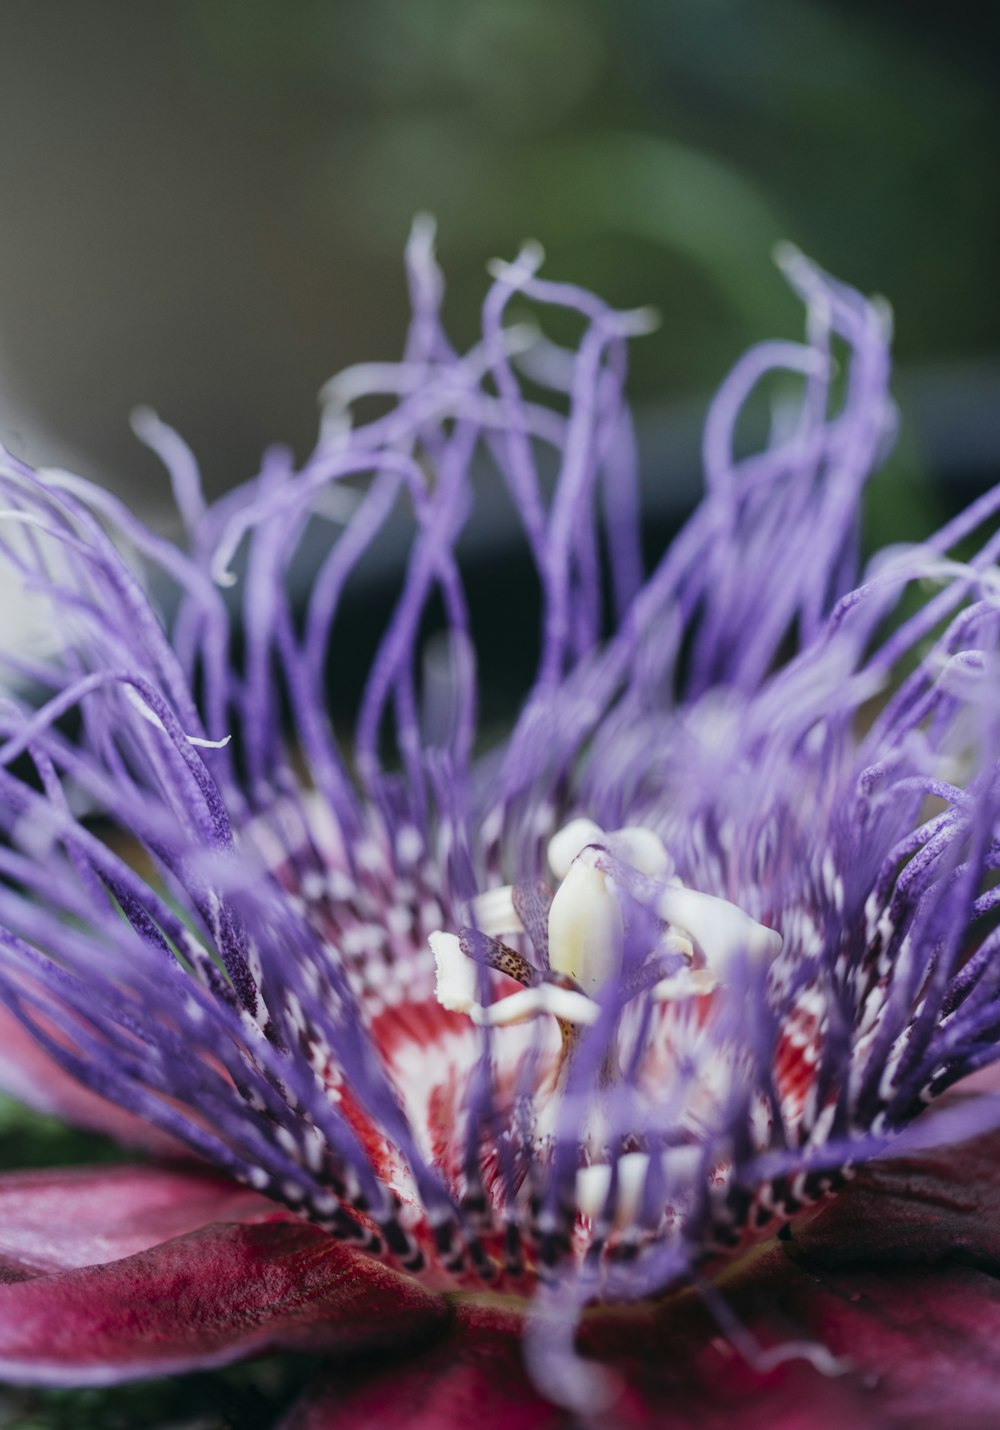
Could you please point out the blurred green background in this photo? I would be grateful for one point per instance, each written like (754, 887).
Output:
(205, 202)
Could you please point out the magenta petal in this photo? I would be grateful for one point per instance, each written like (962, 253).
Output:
(203, 1300)
(30, 1075)
(474, 1376)
(896, 1277)
(57, 1220)
(928, 1206)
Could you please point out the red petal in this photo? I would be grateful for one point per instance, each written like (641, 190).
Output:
(896, 1277)
(56, 1220)
(30, 1075)
(203, 1300)
(930, 1205)
(473, 1377)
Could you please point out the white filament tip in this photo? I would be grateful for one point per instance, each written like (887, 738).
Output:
(593, 1185)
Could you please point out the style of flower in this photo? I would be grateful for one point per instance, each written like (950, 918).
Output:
(538, 1032)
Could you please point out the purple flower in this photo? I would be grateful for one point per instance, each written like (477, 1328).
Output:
(571, 1017)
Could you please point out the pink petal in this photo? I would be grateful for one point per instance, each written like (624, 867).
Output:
(30, 1075)
(57, 1220)
(202, 1300)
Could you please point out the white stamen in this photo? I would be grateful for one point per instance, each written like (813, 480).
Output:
(457, 981)
(532, 1002)
(688, 983)
(592, 1185)
(458, 988)
(566, 844)
(723, 931)
(675, 942)
(493, 913)
(681, 1168)
(642, 849)
(586, 932)
(585, 928)
(633, 1168)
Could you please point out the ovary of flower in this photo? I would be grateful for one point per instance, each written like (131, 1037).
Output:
(493, 912)
(585, 927)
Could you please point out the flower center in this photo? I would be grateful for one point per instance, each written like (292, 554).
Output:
(578, 933)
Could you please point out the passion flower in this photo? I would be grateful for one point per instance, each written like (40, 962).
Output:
(570, 1016)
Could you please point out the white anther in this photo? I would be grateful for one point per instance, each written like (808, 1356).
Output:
(641, 848)
(594, 1183)
(585, 928)
(567, 843)
(722, 931)
(493, 913)
(675, 942)
(457, 976)
(688, 983)
(532, 1003)
(458, 991)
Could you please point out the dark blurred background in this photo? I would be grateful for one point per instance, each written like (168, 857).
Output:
(205, 202)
